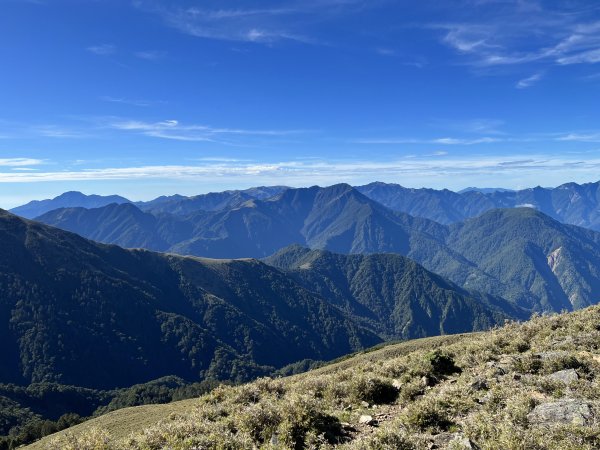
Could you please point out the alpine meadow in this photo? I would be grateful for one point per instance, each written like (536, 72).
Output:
(299, 224)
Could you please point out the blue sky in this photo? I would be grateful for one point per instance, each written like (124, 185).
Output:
(150, 97)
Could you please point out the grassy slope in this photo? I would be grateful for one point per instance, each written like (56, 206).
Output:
(417, 395)
(122, 423)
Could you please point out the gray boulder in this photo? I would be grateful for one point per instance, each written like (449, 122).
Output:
(566, 376)
(575, 412)
(451, 440)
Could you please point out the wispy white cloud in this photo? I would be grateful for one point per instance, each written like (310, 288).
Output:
(220, 159)
(560, 33)
(383, 51)
(580, 137)
(129, 101)
(102, 49)
(529, 81)
(478, 126)
(58, 132)
(151, 55)
(307, 171)
(285, 21)
(173, 129)
(440, 141)
(20, 162)
(112, 127)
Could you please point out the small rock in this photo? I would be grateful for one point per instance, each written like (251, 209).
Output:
(498, 370)
(397, 384)
(274, 439)
(566, 376)
(563, 411)
(479, 385)
(485, 399)
(364, 404)
(367, 420)
(451, 440)
(544, 356)
(428, 381)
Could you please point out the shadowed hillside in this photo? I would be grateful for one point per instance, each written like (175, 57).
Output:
(527, 386)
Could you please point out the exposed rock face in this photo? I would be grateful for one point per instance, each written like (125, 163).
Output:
(554, 259)
(545, 356)
(367, 420)
(574, 412)
(451, 440)
(566, 376)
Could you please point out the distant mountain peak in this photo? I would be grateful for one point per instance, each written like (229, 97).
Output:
(70, 199)
(484, 190)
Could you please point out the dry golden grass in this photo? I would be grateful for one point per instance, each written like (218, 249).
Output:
(474, 390)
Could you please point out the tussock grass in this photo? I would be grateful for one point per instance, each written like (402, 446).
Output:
(478, 389)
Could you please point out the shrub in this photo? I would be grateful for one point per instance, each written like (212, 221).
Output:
(386, 440)
(427, 415)
(527, 363)
(373, 390)
(441, 363)
(303, 415)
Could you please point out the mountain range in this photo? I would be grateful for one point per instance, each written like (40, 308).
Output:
(520, 254)
(572, 203)
(67, 300)
(67, 200)
(265, 281)
(174, 204)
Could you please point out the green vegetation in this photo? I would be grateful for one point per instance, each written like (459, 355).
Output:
(28, 414)
(486, 390)
(67, 300)
(392, 295)
(519, 254)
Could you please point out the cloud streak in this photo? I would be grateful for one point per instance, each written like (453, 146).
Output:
(174, 130)
(102, 49)
(127, 101)
(20, 162)
(437, 141)
(150, 55)
(552, 34)
(580, 137)
(307, 171)
(529, 81)
(285, 21)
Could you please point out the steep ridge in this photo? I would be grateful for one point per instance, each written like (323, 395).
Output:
(67, 300)
(123, 225)
(392, 295)
(336, 218)
(213, 201)
(559, 264)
